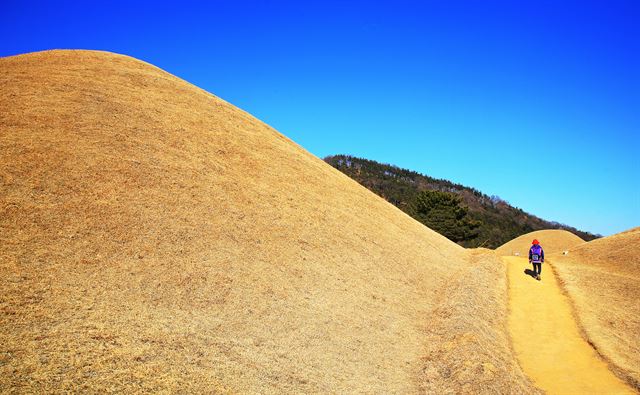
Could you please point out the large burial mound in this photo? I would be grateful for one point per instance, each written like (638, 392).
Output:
(603, 279)
(552, 240)
(154, 237)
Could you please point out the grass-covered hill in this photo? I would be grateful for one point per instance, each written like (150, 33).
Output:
(496, 221)
(602, 278)
(156, 239)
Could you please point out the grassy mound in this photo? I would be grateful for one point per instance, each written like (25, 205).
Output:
(551, 240)
(154, 237)
(602, 277)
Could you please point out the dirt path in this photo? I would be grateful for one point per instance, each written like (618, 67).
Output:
(547, 340)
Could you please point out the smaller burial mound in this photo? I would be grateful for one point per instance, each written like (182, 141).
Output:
(552, 240)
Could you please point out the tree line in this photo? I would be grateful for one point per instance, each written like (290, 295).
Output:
(463, 214)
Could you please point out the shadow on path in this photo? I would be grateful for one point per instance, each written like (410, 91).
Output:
(530, 273)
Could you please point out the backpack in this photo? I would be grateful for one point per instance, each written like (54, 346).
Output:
(536, 253)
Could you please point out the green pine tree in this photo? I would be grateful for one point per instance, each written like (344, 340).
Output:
(444, 213)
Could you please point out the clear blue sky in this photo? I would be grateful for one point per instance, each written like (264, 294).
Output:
(536, 102)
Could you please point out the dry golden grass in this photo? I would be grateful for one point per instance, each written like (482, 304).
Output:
(552, 240)
(602, 277)
(468, 346)
(154, 238)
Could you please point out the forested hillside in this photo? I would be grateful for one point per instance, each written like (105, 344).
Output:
(494, 221)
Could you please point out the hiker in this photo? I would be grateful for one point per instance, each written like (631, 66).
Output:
(536, 256)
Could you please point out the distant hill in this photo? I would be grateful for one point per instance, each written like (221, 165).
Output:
(500, 222)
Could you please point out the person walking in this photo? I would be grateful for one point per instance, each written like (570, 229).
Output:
(536, 256)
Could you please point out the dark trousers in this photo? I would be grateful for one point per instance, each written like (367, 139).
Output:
(537, 267)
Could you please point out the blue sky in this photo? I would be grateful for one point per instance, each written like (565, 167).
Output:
(537, 102)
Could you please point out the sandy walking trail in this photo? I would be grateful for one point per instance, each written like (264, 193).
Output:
(547, 340)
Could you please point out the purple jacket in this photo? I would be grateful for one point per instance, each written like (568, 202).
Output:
(536, 254)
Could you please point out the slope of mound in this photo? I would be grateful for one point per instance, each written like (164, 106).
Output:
(552, 240)
(602, 277)
(154, 237)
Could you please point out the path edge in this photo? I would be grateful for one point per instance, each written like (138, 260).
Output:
(613, 367)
